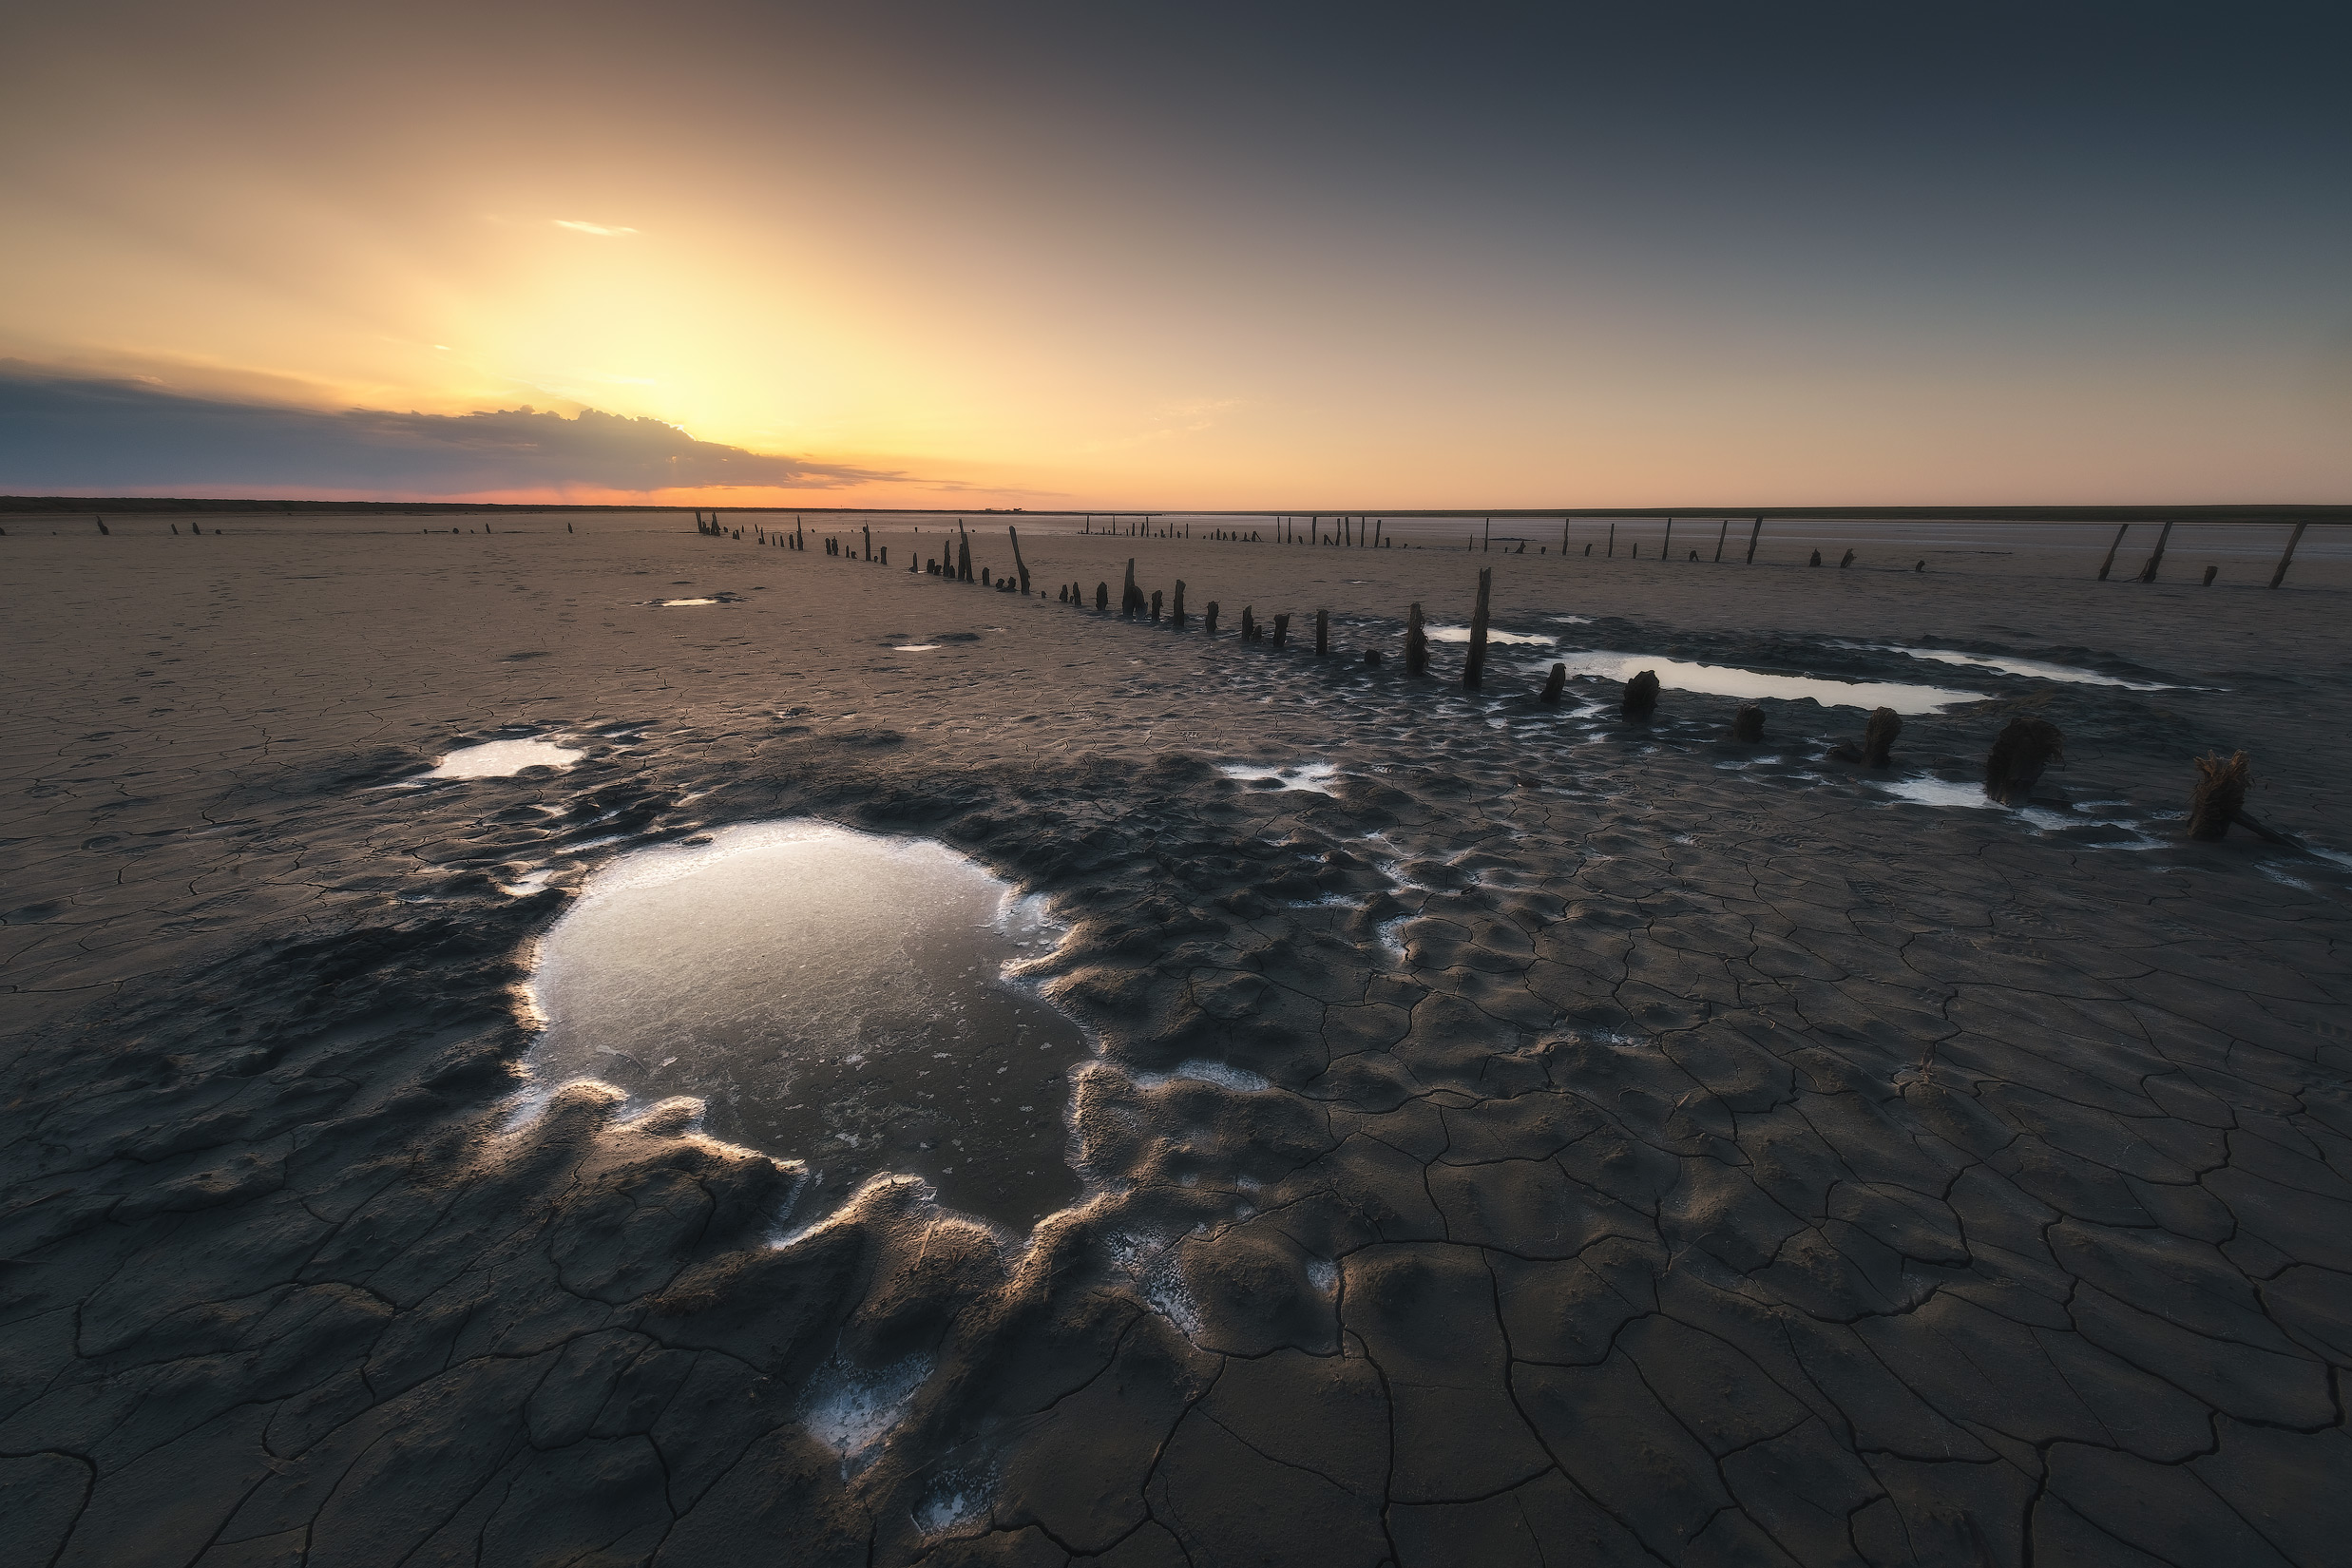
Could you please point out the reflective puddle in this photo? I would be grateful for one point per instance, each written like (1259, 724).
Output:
(831, 996)
(1729, 680)
(1313, 777)
(2039, 669)
(1461, 633)
(501, 759)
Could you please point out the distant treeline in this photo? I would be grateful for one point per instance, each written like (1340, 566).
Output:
(70, 504)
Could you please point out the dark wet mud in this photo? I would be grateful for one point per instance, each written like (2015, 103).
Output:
(1501, 1133)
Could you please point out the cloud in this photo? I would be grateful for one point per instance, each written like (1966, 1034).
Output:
(62, 434)
(590, 228)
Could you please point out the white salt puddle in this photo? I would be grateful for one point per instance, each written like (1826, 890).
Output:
(1239, 1080)
(830, 996)
(1461, 633)
(1729, 681)
(1935, 792)
(850, 1409)
(502, 759)
(2039, 669)
(675, 603)
(1945, 794)
(1312, 776)
(913, 647)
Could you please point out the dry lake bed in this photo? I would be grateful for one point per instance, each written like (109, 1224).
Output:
(595, 1044)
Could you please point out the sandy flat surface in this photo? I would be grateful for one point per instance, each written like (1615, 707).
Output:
(1543, 1138)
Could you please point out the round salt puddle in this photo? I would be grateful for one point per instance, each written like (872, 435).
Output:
(502, 759)
(831, 996)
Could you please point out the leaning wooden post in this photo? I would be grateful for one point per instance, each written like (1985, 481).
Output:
(1753, 534)
(1666, 548)
(1323, 633)
(2292, 540)
(1474, 667)
(1416, 644)
(2112, 546)
(1022, 567)
(1721, 534)
(1554, 685)
(2147, 573)
(1612, 541)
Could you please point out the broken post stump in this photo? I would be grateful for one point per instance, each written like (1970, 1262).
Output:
(1474, 667)
(1155, 606)
(1641, 696)
(1249, 625)
(1282, 630)
(1130, 596)
(1748, 724)
(1371, 657)
(2021, 752)
(1878, 736)
(1554, 685)
(1847, 562)
(1416, 643)
(2219, 799)
(1175, 606)
(2209, 573)
(1208, 619)
(1102, 598)
(1816, 558)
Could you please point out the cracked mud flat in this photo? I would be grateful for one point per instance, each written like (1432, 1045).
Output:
(1558, 1143)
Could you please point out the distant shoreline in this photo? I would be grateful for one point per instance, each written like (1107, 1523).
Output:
(74, 505)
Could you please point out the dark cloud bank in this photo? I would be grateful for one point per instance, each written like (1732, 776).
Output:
(65, 435)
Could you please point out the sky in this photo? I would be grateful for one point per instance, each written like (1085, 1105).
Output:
(1156, 257)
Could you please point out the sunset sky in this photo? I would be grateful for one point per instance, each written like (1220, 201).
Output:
(1178, 256)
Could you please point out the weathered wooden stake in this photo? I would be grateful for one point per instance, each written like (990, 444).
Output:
(867, 528)
(1641, 696)
(1103, 598)
(1416, 643)
(1612, 541)
(1753, 534)
(1176, 608)
(1208, 620)
(1155, 606)
(1748, 724)
(1563, 536)
(2112, 546)
(1020, 566)
(1666, 548)
(1249, 625)
(1323, 633)
(1555, 683)
(1282, 630)
(2147, 573)
(1721, 534)
(2210, 574)
(1474, 667)
(1816, 558)
(1846, 561)
(2292, 540)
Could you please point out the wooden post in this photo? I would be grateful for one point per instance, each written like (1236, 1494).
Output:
(1748, 724)
(963, 555)
(1612, 541)
(1249, 625)
(1282, 630)
(2292, 540)
(1721, 534)
(1878, 736)
(1474, 667)
(867, 528)
(2219, 794)
(1103, 598)
(2209, 572)
(1416, 644)
(1175, 608)
(1489, 543)
(1666, 550)
(2147, 573)
(1208, 620)
(1155, 606)
(2021, 752)
(1022, 566)
(1323, 633)
(2114, 545)
(1129, 596)
(1753, 534)
(1554, 685)
(1641, 696)
(1563, 536)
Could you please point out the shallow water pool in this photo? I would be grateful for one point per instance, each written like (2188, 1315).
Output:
(501, 759)
(831, 996)
(1731, 681)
